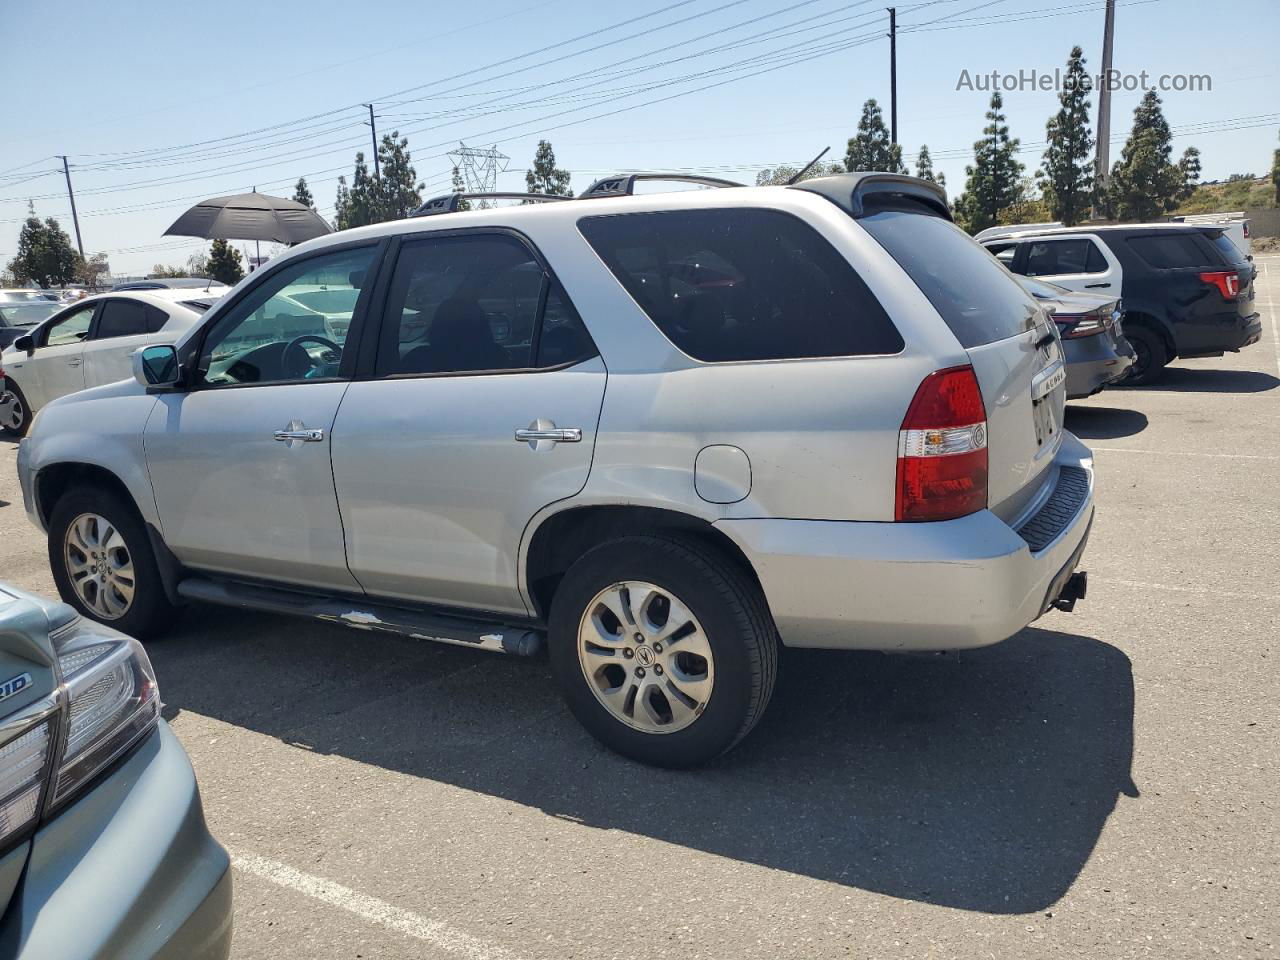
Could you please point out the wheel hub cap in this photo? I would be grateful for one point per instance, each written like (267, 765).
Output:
(645, 657)
(99, 565)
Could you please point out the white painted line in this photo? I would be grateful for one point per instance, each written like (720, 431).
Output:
(1190, 453)
(1142, 585)
(436, 933)
(1271, 309)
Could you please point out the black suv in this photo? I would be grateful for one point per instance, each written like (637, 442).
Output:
(1187, 290)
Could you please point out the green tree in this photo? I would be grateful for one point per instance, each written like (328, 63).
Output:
(459, 186)
(160, 270)
(362, 205)
(397, 190)
(1067, 180)
(924, 168)
(342, 205)
(994, 181)
(546, 177)
(198, 264)
(302, 194)
(1144, 182)
(224, 262)
(45, 255)
(870, 148)
(780, 176)
(1189, 169)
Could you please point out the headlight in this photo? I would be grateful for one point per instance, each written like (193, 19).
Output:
(106, 702)
(111, 701)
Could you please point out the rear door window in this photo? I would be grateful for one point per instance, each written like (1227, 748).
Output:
(1046, 258)
(127, 318)
(1170, 251)
(977, 298)
(742, 284)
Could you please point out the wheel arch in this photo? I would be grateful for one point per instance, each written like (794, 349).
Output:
(564, 536)
(1154, 321)
(53, 482)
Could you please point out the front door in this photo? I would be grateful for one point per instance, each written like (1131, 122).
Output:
(240, 462)
(481, 409)
(57, 366)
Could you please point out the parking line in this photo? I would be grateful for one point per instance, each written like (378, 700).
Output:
(1271, 309)
(1179, 588)
(436, 933)
(1190, 453)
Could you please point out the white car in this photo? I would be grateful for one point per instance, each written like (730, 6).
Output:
(88, 344)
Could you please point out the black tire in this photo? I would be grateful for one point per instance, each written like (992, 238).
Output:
(1150, 358)
(150, 613)
(19, 429)
(735, 621)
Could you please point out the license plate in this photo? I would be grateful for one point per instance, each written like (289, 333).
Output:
(1046, 423)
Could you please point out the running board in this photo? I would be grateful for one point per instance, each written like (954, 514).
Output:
(364, 615)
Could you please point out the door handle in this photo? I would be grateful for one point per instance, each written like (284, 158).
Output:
(298, 432)
(566, 435)
(75, 362)
(1095, 286)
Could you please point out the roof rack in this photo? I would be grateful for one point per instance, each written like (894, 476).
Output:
(624, 185)
(452, 202)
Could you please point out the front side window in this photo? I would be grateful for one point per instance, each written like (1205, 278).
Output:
(273, 336)
(467, 304)
(72, 328)
(742, 284)
(1047, 258)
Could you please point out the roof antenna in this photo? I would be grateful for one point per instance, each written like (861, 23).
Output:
(808, 166)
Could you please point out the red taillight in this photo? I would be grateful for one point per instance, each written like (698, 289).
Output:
(1227, 282)
(1072, 326)
(942, 449)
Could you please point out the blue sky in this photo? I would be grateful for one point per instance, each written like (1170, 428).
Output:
(149, 103)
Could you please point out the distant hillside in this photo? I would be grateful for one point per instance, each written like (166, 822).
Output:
(1223, 197)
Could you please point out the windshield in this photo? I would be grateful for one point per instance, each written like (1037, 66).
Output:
(27, 313)
(27, 296)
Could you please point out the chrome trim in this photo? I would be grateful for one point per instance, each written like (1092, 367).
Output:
(566, 435)
(29, 716)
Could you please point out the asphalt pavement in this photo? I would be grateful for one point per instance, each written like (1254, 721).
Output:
(1101, 785)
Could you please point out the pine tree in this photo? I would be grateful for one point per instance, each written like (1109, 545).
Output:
(924, 168)
(398, 192)
(224, 262)
(460, 186)
(302, 194)
(1144, 182)
(1189, 169)
(870, 148)
(546, 177)
(342, 205)
(1067, 180)
(363, 204)
(993, 182)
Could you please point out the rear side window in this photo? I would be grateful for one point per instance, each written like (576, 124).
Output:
(742, 284)
(1226, 246)
(128, 318)
(1046, 258)
(1170, 251)
(976, 297)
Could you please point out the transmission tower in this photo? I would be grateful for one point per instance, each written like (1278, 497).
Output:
(480, 168)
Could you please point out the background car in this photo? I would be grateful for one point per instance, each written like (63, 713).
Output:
(89, 343)
(22, 310)
(1093, 344)
(104, 851)
(172, 283)
(1188, 290)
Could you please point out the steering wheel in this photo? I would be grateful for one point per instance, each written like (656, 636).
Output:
(298, 362)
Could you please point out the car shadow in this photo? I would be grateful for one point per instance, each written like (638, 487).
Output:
(1104, 423)
(979, 781)
(1199, 380)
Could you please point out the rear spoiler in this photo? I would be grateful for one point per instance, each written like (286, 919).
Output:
(852, 191)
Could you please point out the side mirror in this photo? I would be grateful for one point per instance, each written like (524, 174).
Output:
(157, 366)
(25, 343)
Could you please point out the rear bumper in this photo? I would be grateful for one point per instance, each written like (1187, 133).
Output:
(919, 586)
(127, 871)
(1218, 334)
(1092, 363)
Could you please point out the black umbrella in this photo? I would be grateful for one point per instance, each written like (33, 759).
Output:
(250, 216)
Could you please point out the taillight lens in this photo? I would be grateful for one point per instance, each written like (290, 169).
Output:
(1072, 326)
(1227, 282)
(942, 449)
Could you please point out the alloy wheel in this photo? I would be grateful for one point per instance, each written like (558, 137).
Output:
(99, 566)
(11, 411)
(646, 657)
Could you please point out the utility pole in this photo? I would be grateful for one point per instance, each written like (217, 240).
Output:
(377, 171)
(72, 197)
(1104, 105)
(893, 74)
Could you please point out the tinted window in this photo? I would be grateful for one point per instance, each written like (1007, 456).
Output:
(1050, 257)
(742, 284)
(28, 313)
(1167, 251)
(125, 318)
(976, 297)
(270, 335)
(1226, 246)
(1003, 252)
(72, 328)
(465, 304)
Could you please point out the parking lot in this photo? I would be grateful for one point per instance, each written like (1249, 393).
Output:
(1101, 785)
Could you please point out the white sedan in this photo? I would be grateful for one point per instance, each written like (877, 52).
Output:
(90, 343)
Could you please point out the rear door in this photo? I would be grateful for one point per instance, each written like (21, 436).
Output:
(479, 409)
(1077, 262)
(1010, 340)
(122, 326)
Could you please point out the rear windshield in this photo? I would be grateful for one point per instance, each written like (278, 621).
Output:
(742, 284)
(1171, 251)
(979, 299)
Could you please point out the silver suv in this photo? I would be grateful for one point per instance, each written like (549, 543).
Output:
(661, 432)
